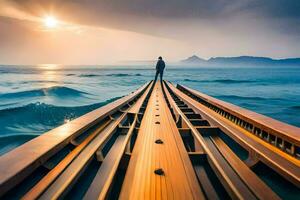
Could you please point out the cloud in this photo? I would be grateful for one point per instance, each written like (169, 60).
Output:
(207, 27)
(146, 16)
(275, 8)
(167, 8)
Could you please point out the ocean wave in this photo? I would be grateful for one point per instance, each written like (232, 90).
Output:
(10, 142)
(38, 81)
(45, 81)
(51, 91)
(123, 75)
(119, 75)
(40, 117)
(114, 75)
(228, 81)
(7, 104)
(89, 75)
(295, 107)
(16, 71)
(236, 97)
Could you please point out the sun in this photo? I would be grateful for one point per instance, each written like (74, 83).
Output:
(50, 22)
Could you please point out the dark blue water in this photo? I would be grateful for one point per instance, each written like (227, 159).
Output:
(35, 99)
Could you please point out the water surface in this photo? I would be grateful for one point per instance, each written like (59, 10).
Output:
(35, 99)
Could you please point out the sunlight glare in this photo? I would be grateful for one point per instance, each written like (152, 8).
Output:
(48, 66)
(50, 22)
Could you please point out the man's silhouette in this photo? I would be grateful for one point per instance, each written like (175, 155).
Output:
(160, 66)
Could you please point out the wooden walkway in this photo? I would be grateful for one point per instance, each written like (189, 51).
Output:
(178, 179)
(159, 142)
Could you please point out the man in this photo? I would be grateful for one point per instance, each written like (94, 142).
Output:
(160, 66)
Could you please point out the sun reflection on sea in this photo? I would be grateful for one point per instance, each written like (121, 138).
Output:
(48, 66)
(49, 75)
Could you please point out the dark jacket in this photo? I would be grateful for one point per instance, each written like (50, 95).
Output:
(160, 65)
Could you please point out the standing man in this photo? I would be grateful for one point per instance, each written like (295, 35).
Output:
(160, 66)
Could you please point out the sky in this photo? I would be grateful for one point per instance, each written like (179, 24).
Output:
(117, 31)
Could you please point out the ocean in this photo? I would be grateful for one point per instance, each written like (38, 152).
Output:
(35, 99)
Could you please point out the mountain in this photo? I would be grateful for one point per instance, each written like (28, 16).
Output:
(242, 60)
(194, 59)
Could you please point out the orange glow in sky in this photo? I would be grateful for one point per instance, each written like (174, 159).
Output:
(50, 22)
(97, 32)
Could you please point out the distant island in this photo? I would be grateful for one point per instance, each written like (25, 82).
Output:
(241, 60)
(251, 61)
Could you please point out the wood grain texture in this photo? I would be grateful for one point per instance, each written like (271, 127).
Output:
(41, 186)
(71, 173)
(20, 162)
(239, 181)
(104, 178)
(276, 127)
(259, 188)
(179, 180)
(282, 163)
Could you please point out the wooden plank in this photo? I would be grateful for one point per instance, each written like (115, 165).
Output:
(259, 188)
(59, 186)
(137, 106)
(20, 162)
(179, 180)
(235, 179)
(105, 175)
(40, 187)
(279, 128)
(205, 183)
(281, 162)
(230, 180)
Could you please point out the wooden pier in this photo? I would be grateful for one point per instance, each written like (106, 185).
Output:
(159, 142)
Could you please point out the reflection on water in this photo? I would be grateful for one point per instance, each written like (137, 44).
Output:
(49, 66)
(50, 78)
